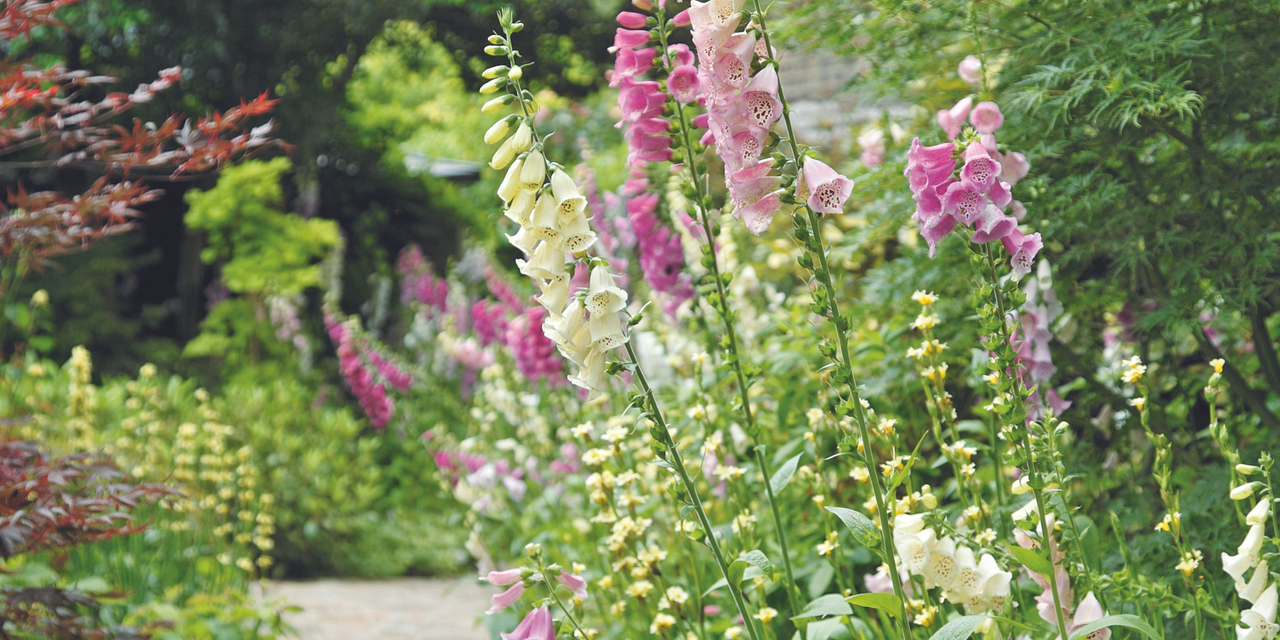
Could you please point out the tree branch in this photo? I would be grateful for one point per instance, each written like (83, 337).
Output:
(1265, 348)
(1238, 383)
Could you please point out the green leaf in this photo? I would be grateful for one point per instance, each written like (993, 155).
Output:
(832, 604)
(745, 571)
(886, 602)
(1032, 560)
(960, 628)
(1121, 620)
(826, 630)
(754, 557)
(782, 477)
(864, 530)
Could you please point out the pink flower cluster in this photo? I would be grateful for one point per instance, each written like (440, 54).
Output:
(388, 371)
(979, 194)
(1037, 315)
(371, 395)
(1090, 610)
(418, 282)
(640, 101)
(741, 111)
(661, 254)
(534, 353)
(489, 319)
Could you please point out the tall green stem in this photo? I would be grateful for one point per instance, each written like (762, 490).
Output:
(844, 360)
(677, 463)
(1020, 410)
(703, 207)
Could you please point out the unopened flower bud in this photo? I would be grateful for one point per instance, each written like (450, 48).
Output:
(497, 132)
(929, 501)
(496, 50)
(40, 298)
(494, 72)
(516, 73)
(643, 5)
(681, 19)
(495, 105)
(1247, 469)
(495, 39)
(492, 86)
(1244, 491)
(1020, 486)
(533, 549)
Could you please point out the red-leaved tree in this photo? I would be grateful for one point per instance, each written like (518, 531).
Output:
(47, 121)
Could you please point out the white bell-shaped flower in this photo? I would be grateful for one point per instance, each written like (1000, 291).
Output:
(510, 182)
(591, 373)
(555, 293)
(604, 297)
(534, 171)
(576, 235)
(547, 262)
(523, 240)
(543, 224)
(1258, 514)
(969, 581)
(606, 331)
(1253, 590)
(941, 569)
(1246, 556)
(1260, 619)
(995, 586)
(521, 208)
(915, 548)
(569, 201)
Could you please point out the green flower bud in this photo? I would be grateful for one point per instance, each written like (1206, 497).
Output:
(496, 50)
(492, 86)
(1247, 469)
(494, 72)
(516, 73)
(495, 105)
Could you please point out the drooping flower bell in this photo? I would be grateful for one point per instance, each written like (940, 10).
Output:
(536, 625)
(822, 188)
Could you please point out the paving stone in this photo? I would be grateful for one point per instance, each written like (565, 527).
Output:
(401, 609)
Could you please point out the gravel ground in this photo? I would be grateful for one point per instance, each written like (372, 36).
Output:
(402, 609)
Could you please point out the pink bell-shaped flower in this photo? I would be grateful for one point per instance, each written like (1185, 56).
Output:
(537, 625)
(979, 169)
(964, 202)
(970, 70)
(951, 120)
(1022, 250)
(986, 117)
(827, 190)
(759, 215)
(683, 83)
(506, 598)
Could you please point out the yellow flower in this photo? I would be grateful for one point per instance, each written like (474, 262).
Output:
(1190, 560)
(677, 595)
(733, 633)
(639, 588)
(1138, 403)
(728, 472)
(814, 415)
(926, 616)
(1163, 525)
(860, 474)
(1134, 370)
(924, 298)
(1217, 364)
(925, 321)
(830, 544)
(661, 623)
(992, 378)
(766, 614)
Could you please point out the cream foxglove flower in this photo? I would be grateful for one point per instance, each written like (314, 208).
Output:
(510, 182)
(1260, 618)
(533, 172)
(569, 201)
(1257, 583)
(1258, 514)
(543, 224)
(941, 569)
(1246, 554)
(604, 297)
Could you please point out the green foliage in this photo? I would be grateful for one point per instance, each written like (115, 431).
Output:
(262, 252)
(260, 249)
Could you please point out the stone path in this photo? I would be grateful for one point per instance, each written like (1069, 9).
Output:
(401, 609)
